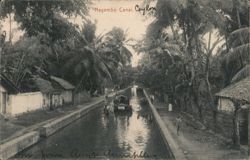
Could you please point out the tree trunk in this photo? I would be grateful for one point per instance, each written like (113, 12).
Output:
(184, 33)
(196, 102)
(235, 2)
(239, 25)
(248, 131)
(207, 75)
(207, 71)
(185, 103)
(190, 52)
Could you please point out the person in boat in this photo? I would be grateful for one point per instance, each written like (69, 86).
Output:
(116, 100)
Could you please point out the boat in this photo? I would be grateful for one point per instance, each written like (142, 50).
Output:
(139, 90)
(121, 103)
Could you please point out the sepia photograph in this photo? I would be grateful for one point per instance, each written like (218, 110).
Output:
(124, 79)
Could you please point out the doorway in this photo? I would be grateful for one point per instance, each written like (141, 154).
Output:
(3, 102)
(243, 126)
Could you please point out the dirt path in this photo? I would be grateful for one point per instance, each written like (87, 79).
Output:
(198, 144)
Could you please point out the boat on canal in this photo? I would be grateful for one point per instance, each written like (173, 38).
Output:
(121, 104)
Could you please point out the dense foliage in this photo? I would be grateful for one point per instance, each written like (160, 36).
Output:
(186, 60)
(52, 45)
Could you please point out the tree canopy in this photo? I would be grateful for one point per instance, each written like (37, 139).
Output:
(44, 16)
(52, 45)
(184, 64)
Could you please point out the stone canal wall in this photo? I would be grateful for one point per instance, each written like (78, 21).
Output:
(62, 122)
(18, 144)
(166, 135)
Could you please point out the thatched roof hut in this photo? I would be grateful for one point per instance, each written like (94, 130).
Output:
(63, 83)
(8, 85)
(237, 91)
(44, 86)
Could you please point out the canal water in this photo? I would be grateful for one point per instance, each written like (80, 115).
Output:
(96, 135)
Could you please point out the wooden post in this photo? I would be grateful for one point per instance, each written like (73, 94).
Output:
(248, 131)
(10, 29)
(237, 129)
(236, 135)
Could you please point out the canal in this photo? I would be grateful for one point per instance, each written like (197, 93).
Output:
(96, 135)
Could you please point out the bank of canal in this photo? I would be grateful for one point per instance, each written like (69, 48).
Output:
(96, 135)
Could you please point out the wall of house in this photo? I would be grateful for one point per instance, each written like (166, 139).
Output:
(81, 97)
(243, 125)
(224, 117)
(24, 102)
(225, 124)
(225, 104)
(2, 89)
(3, 100)
(56, 100)
(46, 100)
(222, 123)
(248, 131)
(67, 96)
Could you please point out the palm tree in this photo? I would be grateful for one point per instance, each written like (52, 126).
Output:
(238, 56)
(115, 53)
(115, 47)
(236, 64)
(84, 65)
(96, 59)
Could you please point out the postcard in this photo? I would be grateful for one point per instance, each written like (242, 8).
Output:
(124, 79)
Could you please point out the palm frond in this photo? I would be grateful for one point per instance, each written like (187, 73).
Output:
(126, 51)
(240, 52)
(157, 50)
(174, 49)
(102, 67)
(243, 73)
(239, 36)
(99, 64)
(110, 60)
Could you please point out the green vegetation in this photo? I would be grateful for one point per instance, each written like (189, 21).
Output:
(182, 57)
(180, 63)
(52, 45)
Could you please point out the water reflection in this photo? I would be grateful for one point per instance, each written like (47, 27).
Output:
(133, 90)
(101, 134)
(135, 134)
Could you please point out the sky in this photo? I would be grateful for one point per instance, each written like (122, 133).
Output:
(124, 17)
(130, 19)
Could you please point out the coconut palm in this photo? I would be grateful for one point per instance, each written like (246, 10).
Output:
(83, 65)
(237, 60)
(96, 58)
(115, 47)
